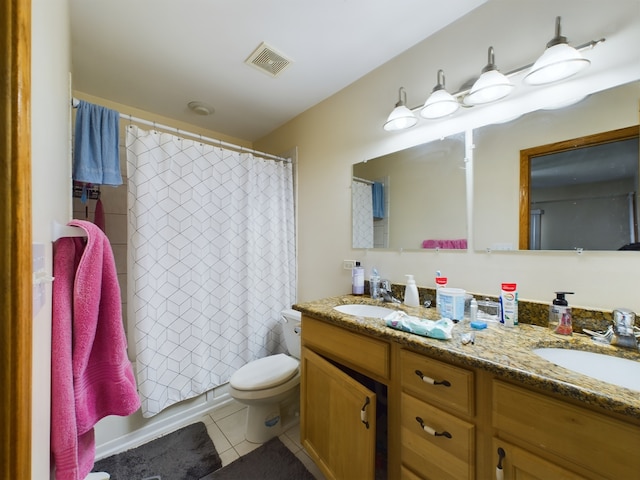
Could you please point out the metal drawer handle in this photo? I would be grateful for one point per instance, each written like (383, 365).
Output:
(499, 470)
(432, 381)
(364, 418)
(432, 431)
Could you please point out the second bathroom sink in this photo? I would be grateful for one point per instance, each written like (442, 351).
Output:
(618, 371)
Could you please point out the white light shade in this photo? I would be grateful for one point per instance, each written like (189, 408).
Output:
(556, 63)
(490, 87)
(400, 118)
(440, 103)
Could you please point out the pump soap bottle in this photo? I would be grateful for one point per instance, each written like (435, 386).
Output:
(411, 298)
(560, 315)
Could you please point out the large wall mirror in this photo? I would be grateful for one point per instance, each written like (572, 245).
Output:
(498, 220)
(412, 199)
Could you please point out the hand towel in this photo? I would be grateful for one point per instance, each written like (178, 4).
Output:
(377, 194)
(91, 373)
(457, 244)
(96, 157)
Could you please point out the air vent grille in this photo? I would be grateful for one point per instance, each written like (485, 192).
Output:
(267, 60)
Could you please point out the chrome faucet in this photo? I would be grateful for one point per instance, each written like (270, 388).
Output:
(385, 292)
(623, 328)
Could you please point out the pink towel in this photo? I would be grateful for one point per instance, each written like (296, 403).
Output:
(98, 216)
(91, 374)
(450, 244)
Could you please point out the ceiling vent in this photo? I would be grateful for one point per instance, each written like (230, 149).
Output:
(267, 60)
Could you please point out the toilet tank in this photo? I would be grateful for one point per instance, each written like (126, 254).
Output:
(291, 327)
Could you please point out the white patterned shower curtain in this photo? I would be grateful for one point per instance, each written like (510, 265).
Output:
(362, 212)
(211, 262)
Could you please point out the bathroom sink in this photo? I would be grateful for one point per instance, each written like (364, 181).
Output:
(364, 310)
(618, 371)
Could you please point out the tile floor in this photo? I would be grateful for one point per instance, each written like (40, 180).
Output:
(226, 426)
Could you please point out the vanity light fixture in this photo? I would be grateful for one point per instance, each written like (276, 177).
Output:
(491, 86)
(401, 117)
(440, 103)
(559, 61)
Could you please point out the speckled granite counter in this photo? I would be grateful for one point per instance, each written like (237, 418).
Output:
(504, 352)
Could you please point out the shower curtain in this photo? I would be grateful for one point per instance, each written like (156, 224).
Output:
(211, 263)
(362, 214)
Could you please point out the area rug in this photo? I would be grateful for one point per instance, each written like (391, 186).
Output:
(186, 454)
(271, 461)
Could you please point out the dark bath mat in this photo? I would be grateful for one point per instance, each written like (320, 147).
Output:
(271, 461)
(186, 454)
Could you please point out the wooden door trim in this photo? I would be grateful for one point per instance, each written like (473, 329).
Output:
(15, 239)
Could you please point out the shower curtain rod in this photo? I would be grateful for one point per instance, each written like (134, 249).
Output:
(214, 141)
(363, 180)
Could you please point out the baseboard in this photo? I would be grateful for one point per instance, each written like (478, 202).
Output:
(156, 427)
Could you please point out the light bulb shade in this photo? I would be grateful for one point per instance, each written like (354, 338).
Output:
(556, 63)
(400, 118)
(490, 87)
(439, 104)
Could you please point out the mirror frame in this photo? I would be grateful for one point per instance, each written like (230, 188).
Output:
(525, 168)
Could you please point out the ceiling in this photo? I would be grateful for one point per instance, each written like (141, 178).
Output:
(159, 55)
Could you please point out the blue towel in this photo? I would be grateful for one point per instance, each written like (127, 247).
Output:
(378, 199)
(96, 157)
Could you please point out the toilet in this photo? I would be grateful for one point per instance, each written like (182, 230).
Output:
(264, 384)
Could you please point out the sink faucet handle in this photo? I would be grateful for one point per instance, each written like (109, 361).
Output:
(385, 285)
(623, 328)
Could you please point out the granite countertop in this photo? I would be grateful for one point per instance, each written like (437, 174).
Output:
(502, 351)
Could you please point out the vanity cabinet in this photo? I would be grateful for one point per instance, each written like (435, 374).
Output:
(338, 420)
(446, 420)
(546, 433)
(338, 413)
(437, 433)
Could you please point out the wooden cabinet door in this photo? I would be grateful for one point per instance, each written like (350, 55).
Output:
(338, 420)
(519, 464)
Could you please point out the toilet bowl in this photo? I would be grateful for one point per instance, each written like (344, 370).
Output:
(264, 384)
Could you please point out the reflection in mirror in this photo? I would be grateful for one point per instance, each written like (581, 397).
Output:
(580, 193)
(412, 199)
(496, 184)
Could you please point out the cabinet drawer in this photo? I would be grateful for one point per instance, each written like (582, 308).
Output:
(603, 446)
(453, 387)
(435, 457)
(365, 354)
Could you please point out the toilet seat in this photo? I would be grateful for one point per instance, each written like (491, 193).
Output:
(267, 372)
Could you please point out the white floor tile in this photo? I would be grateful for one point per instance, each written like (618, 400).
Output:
(233, 426)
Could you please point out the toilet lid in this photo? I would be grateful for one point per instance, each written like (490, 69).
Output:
(265, 372)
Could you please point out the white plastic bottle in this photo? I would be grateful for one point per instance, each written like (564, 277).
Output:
(411, 298)
(357, 280)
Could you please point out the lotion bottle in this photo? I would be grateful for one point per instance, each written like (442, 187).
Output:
(411, 298)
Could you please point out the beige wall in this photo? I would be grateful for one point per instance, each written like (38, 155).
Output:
(51, 180)
(347, 128)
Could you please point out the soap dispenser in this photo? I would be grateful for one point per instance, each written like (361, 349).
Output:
(560, 315)
(411, 298)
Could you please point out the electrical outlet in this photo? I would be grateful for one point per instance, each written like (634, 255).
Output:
(348, 264)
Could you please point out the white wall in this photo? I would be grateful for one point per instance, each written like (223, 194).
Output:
(51, 183)
(347, 128)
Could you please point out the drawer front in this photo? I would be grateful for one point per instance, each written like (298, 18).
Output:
(604, 446)
(448, 455)
(365, 354)
(452, 387)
